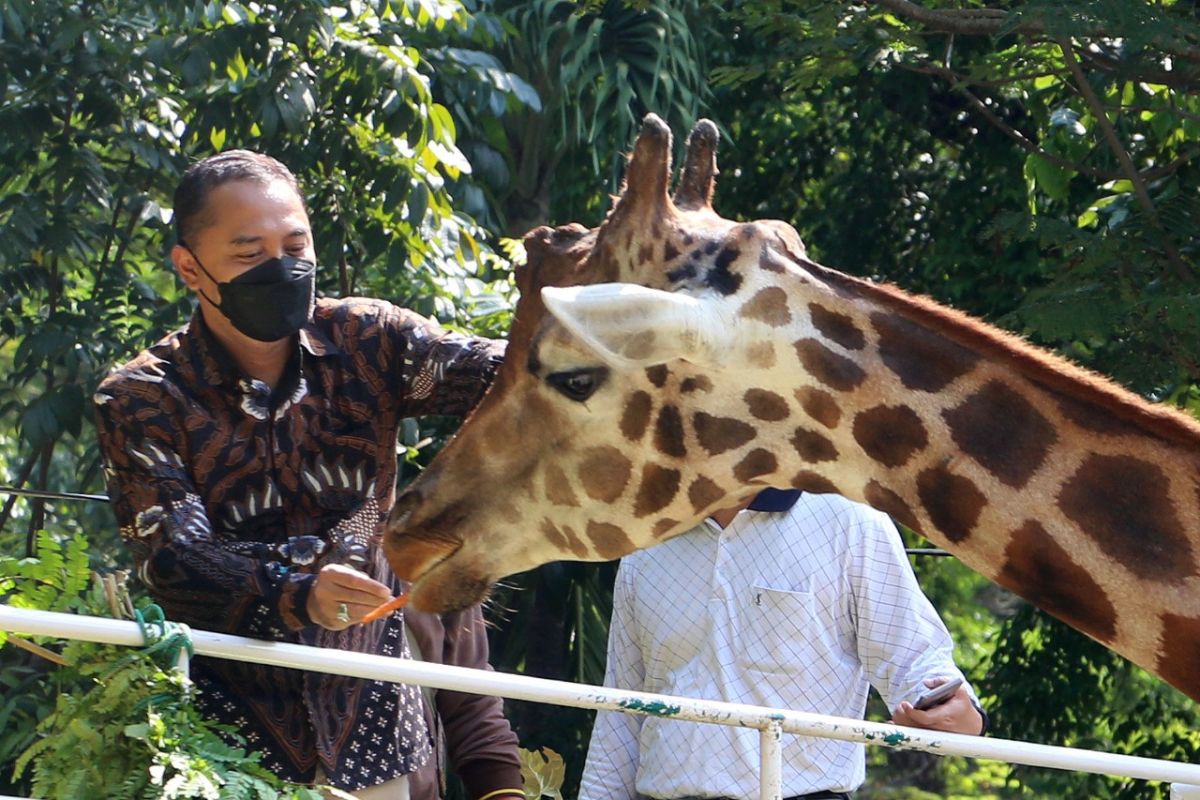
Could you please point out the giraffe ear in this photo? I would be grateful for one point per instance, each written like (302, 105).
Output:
(629, 325)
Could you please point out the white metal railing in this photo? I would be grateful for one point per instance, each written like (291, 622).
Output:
(771, 723)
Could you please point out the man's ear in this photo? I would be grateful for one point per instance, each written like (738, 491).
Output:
(186, 266)
(632, 325)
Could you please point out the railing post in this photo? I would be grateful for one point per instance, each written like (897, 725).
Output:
(183, 663)
(1183, 791)
(770, 757)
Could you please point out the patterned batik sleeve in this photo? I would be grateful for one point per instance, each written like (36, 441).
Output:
(164, 524)
(439, 372)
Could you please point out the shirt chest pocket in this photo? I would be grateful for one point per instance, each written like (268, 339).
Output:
(772, 624)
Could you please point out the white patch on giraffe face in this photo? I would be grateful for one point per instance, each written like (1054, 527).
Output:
(630, 326)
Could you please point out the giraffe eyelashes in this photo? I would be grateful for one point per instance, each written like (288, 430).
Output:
(578, 384)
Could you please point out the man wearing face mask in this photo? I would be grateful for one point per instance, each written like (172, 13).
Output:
(251, 460)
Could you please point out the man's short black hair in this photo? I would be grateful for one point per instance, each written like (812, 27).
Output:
(202, 177)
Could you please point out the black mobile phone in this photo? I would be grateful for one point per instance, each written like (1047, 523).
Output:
(937, 695)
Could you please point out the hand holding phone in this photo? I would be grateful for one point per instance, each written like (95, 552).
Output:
(938, 695)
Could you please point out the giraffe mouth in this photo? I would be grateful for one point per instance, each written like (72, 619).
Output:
(442, 579)
(449, 584)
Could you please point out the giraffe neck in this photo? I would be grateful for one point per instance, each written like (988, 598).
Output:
(1047, 479)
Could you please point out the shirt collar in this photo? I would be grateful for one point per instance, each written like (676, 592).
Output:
(217, 366)
(774, 500)
(316, 342)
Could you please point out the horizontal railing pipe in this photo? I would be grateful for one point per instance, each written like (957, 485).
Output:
(521, 687)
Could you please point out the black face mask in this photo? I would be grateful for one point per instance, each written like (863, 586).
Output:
(270, 301)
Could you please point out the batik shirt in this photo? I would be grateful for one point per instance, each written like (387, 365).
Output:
(232, 496)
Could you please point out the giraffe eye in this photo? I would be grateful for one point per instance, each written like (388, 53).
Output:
(578, 384)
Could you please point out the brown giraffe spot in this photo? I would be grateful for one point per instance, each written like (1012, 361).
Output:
(881, 498)
(566, 542)
(558, 488)
(636, 415)
(820, 406)
(658, 488)
(813, 483)
(609, 541)
(761, 355)
(646, 253)
(1041, 571)
(639, 346)
(951, 501)
(766, 405)
(720, 277)
(604, 472)
(698, 383)
(663, 527)
(922, 359)
(758, 462)
(833, 370)
(1179, 661)
(1122, 503)
(813, 447)
(703, 492)
(685, 271)
(657, 375)
(668, 432)
(890, 434)
(769, 305)
(748, 231)
(670, 251)
(508, 512)
(554, 536)
(1003, 432)
(718, 434)
(838, 327)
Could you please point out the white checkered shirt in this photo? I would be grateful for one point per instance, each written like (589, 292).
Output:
(798, 609)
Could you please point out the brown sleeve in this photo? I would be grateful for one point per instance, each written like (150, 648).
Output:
(480, 742)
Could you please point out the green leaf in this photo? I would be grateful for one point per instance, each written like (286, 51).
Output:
(1050, 178)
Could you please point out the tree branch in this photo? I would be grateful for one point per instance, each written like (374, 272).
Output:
(1127, 166)
(1021, 139)
(970, 21)
(37, 650)
(1184, 81)
(961, 81)
(991, 21)
(22, 476)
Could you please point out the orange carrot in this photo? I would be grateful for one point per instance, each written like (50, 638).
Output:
(391, 605)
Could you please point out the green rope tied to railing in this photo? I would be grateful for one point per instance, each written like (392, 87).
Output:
(163, 647)
(170, 638)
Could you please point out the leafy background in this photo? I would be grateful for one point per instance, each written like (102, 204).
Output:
(1030, 161)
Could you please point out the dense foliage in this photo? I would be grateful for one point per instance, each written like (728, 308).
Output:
(117, 718)
(1030, 161)
(1033, 163)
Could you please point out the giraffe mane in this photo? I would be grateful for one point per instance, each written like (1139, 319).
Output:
(1052, 371)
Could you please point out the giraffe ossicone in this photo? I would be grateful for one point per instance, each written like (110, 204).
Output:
(671, 363)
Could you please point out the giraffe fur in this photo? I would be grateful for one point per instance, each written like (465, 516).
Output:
(672, 363)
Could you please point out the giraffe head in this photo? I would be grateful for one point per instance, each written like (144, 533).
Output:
(594, 440)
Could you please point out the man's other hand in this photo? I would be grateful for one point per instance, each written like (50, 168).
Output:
(956, 715)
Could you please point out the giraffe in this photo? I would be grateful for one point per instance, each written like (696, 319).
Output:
(672, 362)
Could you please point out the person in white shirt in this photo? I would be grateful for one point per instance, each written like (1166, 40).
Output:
(800, 606)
